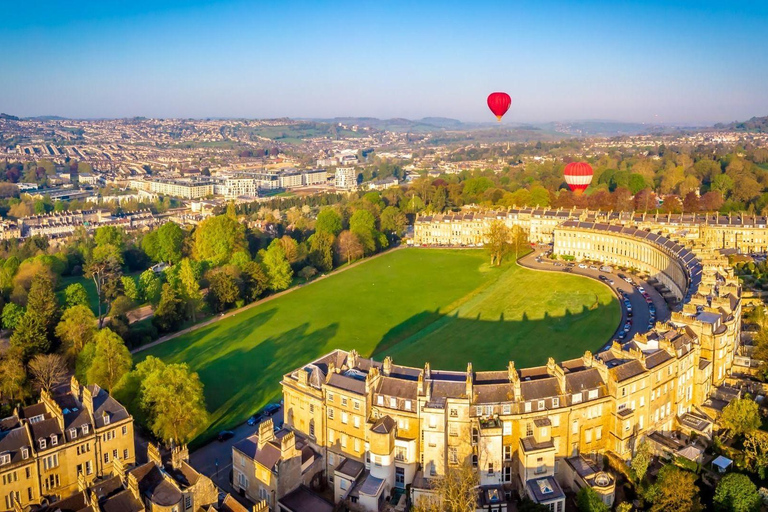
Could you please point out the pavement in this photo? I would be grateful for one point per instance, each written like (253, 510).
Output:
(641, 313)
(215, 458)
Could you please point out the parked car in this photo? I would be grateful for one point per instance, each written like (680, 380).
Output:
(622, 276)
(581, 265)
(641, 289)
(255, 420)
(225, 434)
(593, 267)
(271, 409)
(627, 326)
(603, 278)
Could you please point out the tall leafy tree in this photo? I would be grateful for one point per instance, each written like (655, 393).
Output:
(173, 398)
(104, 267)
(76, 328)
(497, 242)
(223, 287)
(48, 371)
(111, 360)
(277, 266)
(12, 315)
(589, 501)
(216, 239)
(169, 314)
(393, 220)
(737, 493)
(741, 416)
(190, 288)
(328, 221)
(13, 376)
(43, 303)
(255, 280)
(75, 294)
(674, 490)
(30, 337)
(321, 250)
(363, 225)
(150, 286)
(170, 238)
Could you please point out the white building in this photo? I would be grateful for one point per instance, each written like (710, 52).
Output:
(346, 178)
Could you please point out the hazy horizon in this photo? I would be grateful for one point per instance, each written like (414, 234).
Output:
(682, 63)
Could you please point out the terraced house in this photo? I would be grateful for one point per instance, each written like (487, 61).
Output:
(534, 432)
(748, 233)
(64, 441)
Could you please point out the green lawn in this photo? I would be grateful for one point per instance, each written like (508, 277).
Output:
(444, 306)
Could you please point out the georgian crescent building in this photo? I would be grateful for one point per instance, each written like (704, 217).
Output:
(380, 429)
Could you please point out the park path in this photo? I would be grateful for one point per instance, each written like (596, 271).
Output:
(234, 312)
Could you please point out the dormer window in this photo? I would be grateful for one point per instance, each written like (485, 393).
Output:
(73, 433)
(105, 417)
(54, 440)
(42, 443)
(24, 453)
(5, 458)
(85, 429)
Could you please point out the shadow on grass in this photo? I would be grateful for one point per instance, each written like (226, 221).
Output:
(451, 341)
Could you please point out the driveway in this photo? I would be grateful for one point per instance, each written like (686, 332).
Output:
(641, 313)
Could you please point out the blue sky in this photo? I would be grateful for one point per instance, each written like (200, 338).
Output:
(695, 62)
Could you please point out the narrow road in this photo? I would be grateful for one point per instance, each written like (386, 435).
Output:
(537, 260)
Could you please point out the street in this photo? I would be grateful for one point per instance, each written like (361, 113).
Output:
(215, 458)
(641, 313)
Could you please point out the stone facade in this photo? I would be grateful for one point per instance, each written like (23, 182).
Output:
(531, 431)
(63, 441)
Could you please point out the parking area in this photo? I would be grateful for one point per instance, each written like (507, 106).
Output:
(641, 304)
(215, 458)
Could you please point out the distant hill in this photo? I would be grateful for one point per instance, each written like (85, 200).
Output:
(9, 117)
(424, 125)
(46, 118)
(754, 125)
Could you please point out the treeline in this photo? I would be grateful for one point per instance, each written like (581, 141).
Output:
(55, 334)
(665, 179)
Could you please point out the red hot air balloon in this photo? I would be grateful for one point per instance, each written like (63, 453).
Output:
(499, 103)
(578, 176)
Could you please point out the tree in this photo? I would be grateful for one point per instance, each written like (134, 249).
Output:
(454, 492)
(277, 266)
(756, 452)
(329, 222)
(48, 371)
(223, 287)
(169, 314)
(43, 303)
(75, 294)
(254, 280)
(13, 377)
(519, 239)
(190, 289)
(497, 241)
(216, 239)
(104, 266)
(307, 273)
(170, 241)
(12, 314)
(348, 247)
(674, 490)
(76, 328)
(111, 360)
(321, 250)
(130, 289)
(30, 337)
(150, 286)
(110, 235)
(642, 459)
(393, 220)
(589, 501)
(363, 225)
(741, 416)
(173, 398)
(737, 493)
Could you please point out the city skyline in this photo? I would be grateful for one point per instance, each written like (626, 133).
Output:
(696, 63)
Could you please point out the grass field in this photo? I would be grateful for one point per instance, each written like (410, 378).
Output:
(445, 306)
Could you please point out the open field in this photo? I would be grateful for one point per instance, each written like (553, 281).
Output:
(405, 304)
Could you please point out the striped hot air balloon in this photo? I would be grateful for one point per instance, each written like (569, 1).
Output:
(578, 176)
